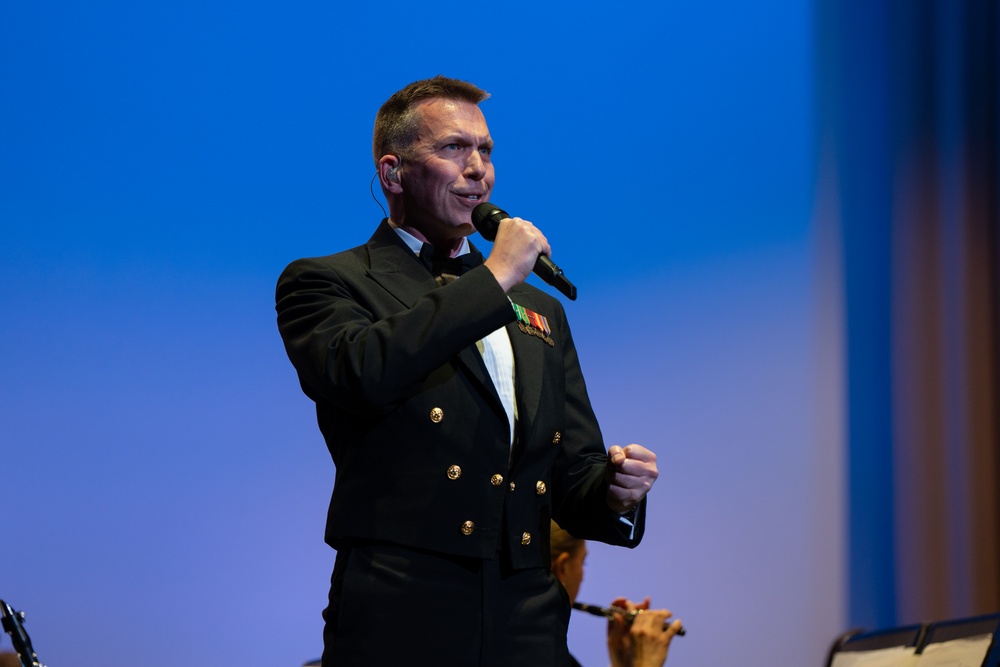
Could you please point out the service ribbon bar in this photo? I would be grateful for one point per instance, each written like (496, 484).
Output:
(530, 322)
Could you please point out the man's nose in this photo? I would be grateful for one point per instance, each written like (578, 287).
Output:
(475, 167)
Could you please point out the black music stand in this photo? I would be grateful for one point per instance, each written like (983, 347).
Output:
(987, 624)
(857, 640)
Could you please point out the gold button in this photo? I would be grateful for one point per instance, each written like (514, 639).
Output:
(540, 488)
(512, 486)
(525, 538)
(496, 480)
(557, 438)
(437, 414)
(468, 527)
(454, 472)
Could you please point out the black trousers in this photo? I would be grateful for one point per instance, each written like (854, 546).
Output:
(392, 605)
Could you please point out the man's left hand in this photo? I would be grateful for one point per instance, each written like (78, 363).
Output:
(631, 472)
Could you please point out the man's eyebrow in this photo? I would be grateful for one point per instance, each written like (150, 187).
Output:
(459, 138)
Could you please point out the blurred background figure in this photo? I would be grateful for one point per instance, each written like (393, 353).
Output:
(644, 642)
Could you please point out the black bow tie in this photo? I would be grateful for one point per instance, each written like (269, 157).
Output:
(454, 266)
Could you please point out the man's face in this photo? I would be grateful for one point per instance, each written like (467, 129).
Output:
(449, 171)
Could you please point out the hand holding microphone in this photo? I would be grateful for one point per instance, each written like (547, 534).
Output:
(519, 244)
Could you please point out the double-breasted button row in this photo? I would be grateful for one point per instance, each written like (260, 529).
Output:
(540, 487)
(436, 415)
(467, 527)
(455, 471)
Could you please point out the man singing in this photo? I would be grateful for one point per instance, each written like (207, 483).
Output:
(452, 402)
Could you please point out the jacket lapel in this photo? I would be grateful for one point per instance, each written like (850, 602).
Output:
(529, 365)
(395, 268)
(399, 272)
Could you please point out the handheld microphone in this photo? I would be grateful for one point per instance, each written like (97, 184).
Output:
(486, 217)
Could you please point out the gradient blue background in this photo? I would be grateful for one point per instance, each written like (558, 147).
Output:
(164, 483)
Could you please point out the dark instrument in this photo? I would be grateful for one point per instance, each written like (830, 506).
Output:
(13, 623)
(611, 612)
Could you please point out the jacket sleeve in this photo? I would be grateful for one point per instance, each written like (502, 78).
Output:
(356, 350)
(580, 499)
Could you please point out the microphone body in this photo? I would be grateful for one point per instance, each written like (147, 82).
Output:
(486, 217)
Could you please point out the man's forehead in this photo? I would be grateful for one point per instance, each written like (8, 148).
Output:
(446, 116)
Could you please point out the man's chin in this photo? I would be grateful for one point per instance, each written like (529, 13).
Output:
(462, 228)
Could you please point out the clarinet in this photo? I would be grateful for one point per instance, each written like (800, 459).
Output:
(13, 623)
(611, 612)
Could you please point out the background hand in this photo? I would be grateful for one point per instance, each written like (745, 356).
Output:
(619, 641)
(646, 641)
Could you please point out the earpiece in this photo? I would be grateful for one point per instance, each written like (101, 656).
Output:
(392, 174)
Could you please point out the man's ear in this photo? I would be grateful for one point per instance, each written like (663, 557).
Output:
(559, 565)
(388, 173)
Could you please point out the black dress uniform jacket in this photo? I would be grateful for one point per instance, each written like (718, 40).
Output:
(414, 424)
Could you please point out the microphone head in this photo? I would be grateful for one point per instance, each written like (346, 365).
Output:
(486, 217)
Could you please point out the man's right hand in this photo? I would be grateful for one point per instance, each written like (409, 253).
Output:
(515, 250)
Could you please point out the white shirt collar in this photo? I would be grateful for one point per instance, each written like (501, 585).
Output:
(415, 244)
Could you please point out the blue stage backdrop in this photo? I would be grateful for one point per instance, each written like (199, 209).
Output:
(164, 484)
